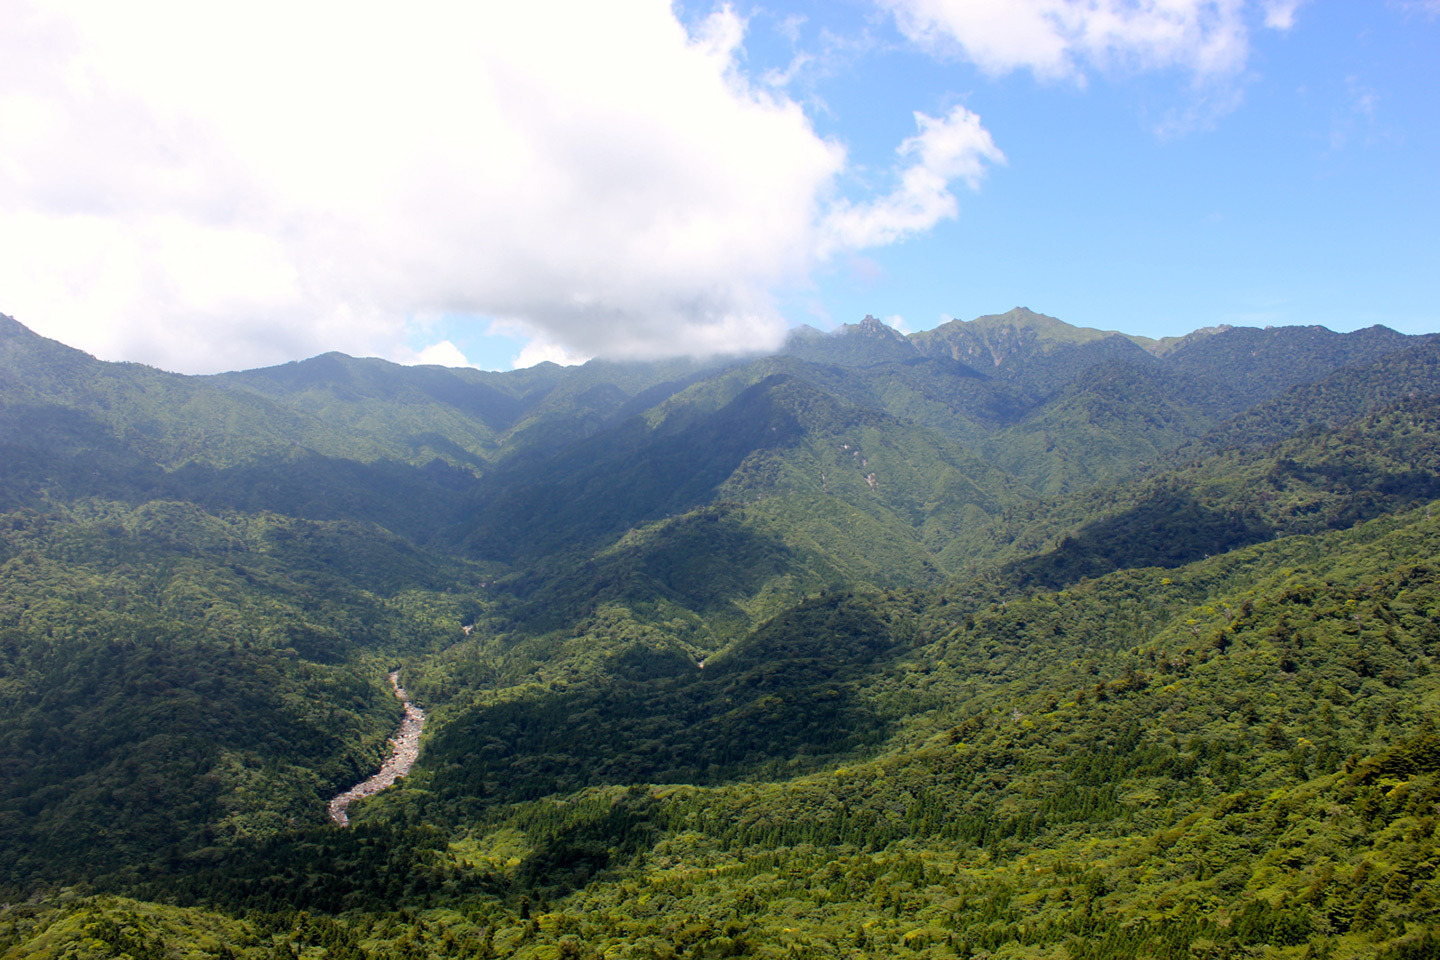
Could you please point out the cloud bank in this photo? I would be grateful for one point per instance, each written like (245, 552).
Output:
(203, 187)
(206, 187)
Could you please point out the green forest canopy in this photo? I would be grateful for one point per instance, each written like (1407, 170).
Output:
(1116, 649)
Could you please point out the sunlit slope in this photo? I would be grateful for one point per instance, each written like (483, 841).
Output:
(1236, 754)
(1318, 480)
(864, 651)
(1148, 761)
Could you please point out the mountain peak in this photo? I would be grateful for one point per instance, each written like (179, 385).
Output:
(1033, 327)
(24, 350)
(803, 332)
(874, 329)
(1030, 348)
(852, 344)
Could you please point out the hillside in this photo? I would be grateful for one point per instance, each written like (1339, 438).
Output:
(1007, 639)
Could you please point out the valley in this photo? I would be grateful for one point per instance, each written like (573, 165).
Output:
(1016, 640)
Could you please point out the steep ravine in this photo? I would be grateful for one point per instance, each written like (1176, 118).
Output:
(405, 747)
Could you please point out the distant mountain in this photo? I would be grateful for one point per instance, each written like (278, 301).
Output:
(1245, 365)
(1318, 480)
(1114, 419)
(166, 418)
(1029, 347)
(1336, 398)
(852, 344)
(1006, 638)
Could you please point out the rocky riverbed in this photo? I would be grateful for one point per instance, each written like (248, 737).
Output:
(404, 748)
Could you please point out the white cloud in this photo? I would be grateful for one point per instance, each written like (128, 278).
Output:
(539, 346)
(784, 78)
(1280, 14)
(954, 147)
(546, 351)
(207, 186)
(1062, 39)
(444, 354)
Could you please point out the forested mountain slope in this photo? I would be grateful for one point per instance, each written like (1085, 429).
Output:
(460, 415)
(1007, 639)
(1246, 365)
(1317, 480)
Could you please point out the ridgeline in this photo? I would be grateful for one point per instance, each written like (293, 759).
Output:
(1019, 640)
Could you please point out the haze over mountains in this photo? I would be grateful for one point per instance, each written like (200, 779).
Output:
(1008, 638)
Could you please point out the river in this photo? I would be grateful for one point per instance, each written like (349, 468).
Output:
(404, 748)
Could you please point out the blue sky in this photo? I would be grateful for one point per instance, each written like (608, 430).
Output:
(1308, 195)
(492, 185)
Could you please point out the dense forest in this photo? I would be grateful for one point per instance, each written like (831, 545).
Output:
(1008, 639)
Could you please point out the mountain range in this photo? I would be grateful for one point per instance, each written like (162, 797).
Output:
(1004, 639)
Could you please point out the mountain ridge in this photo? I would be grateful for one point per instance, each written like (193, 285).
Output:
(1102, 647)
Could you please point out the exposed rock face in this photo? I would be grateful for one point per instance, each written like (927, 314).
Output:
(404, 748)
(854, 344)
